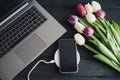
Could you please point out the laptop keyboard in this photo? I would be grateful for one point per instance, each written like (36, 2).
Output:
(19, 29)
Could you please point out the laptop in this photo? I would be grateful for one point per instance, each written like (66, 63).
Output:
(26, 30)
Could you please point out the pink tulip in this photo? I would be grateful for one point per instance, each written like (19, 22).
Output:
(81, 10)
(73, 19)
(100, 14)
(88, 31)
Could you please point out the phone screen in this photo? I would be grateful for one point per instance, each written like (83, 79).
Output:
(67, 51)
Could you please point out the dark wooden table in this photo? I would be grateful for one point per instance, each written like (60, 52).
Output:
(89, 68)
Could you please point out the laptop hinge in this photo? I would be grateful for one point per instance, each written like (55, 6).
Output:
(22, 7)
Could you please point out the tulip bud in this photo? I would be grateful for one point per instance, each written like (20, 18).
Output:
(73, 19)
(96, 6)
(81, 9)
(79, 27)
(90, 17)
(89, 8)
(80, 40)
(100, 14)
(88, 31)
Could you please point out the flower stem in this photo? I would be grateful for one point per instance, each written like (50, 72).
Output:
(91, 49)
(109, 62)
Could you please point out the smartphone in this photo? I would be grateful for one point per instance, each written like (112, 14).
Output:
(68, 56)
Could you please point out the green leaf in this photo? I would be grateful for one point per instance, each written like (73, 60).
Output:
(91, 49)
(92, 41)
(102, 21)
(109, 62)
(111, 43)
(100, 27)
(82, 22)
(113, 46)
(115, 34)
(116, 26)
(102, 36)
(106, 52)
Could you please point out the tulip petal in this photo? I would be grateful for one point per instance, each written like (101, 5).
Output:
(90, 17)
(81, 9)
(79, 27)
(73, 19)
(88, 31)
(89, 8)
(96, 6)
(100, 14)
(80, 40)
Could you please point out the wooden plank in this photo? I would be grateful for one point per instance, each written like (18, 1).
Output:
(67, 78)
(86, 68)
(60, 78)
(109, 78)
(62, 13)
(74, 2)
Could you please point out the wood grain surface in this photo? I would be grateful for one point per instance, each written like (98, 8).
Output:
(89, 68)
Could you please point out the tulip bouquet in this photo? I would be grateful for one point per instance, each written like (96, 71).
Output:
(101, 33)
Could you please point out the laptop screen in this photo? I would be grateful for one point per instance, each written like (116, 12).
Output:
(8, 6)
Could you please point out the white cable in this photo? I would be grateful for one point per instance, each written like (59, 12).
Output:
(50, 62)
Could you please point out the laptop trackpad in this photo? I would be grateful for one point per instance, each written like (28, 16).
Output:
(30, 48)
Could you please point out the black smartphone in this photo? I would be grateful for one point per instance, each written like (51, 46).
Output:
(68, 56)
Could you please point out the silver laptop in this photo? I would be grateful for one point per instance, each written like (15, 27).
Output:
(26, 30)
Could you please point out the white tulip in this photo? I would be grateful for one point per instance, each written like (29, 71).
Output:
(80, 40)
(79, 27)
(96, 6)
(90, 17)
(89, 8)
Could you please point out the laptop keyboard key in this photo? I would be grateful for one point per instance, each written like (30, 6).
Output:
(15, 32)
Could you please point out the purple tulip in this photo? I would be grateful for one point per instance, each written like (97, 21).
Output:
(73, 19)
(81, 10)
(88, 31)
(100, 14)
